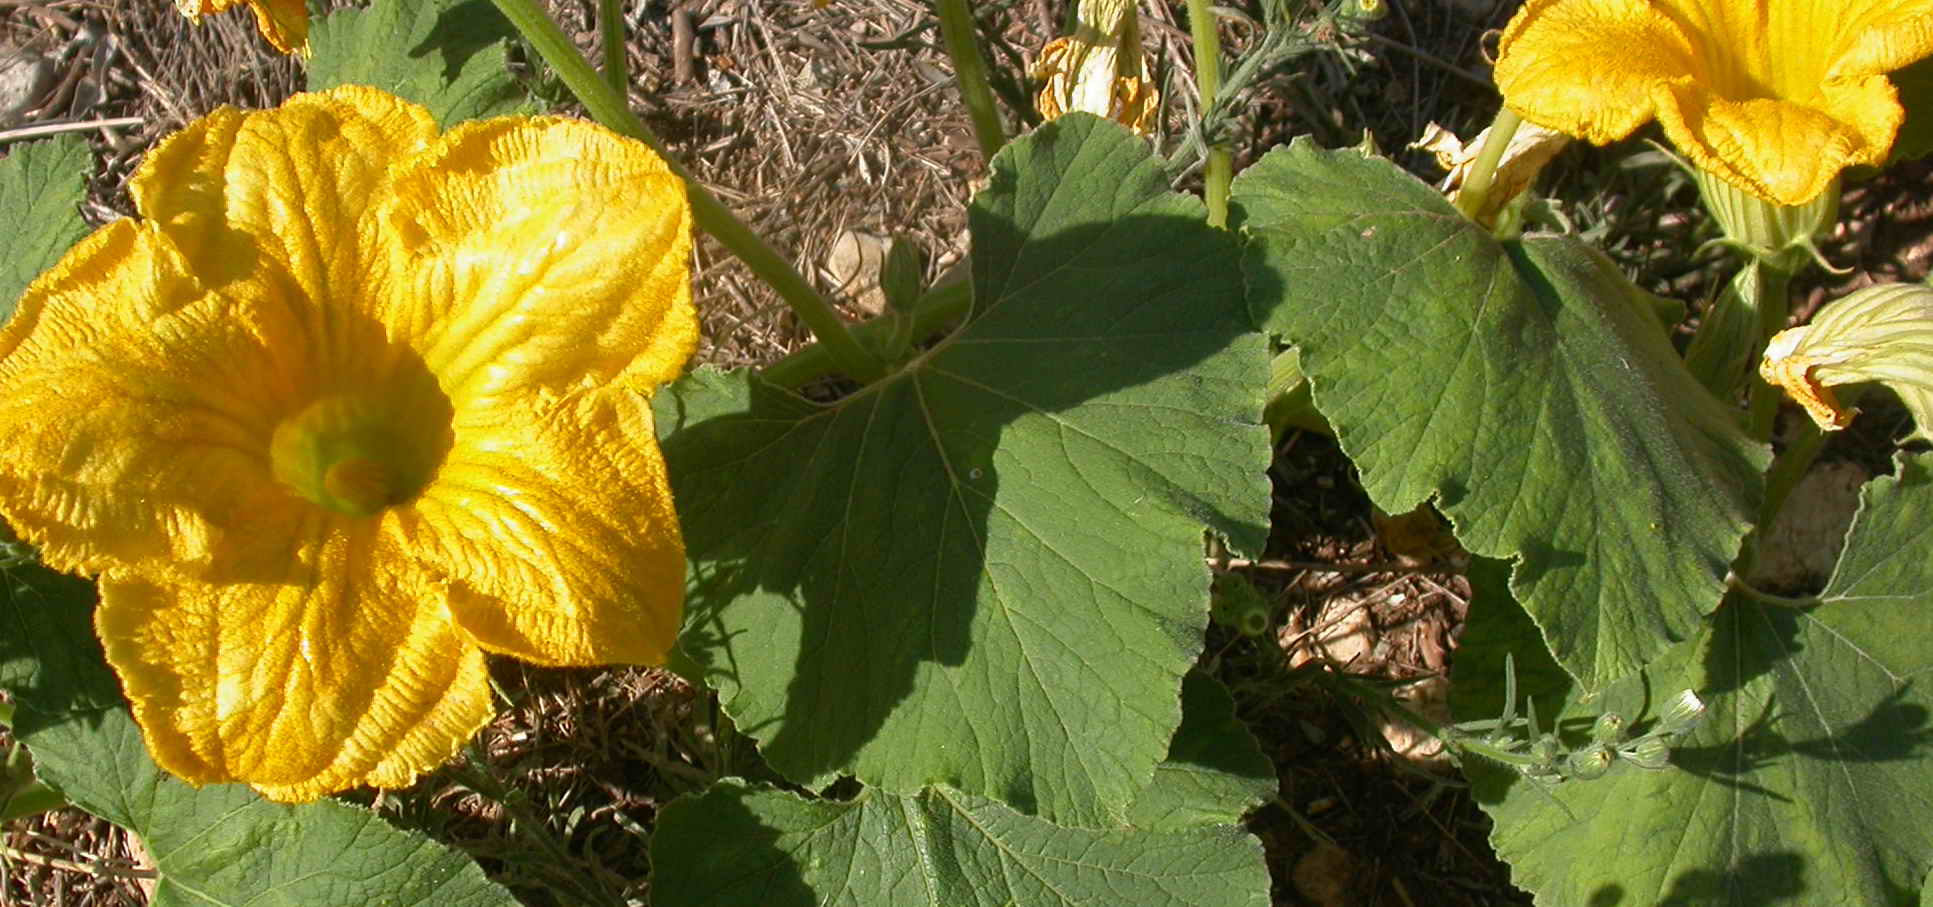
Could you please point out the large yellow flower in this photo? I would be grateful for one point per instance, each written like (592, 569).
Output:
(349, 406)
(285, 23)
(1773, 96)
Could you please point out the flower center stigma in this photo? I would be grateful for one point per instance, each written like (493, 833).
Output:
(352, 454)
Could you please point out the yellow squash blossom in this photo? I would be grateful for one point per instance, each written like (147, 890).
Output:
(350, 405)
(1773, 96)
(1100, 69)
(285, 23)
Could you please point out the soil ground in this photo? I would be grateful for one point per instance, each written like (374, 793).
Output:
(823, 124)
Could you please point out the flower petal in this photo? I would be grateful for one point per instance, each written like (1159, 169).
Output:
(289, 188)
(1781, 150)
(539, 255)
(1873, 36)
(285, 23)
(138, 406)
(343, 670)
(1590, 68)
(555, 530)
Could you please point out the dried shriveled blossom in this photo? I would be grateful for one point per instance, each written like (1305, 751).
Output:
(1879, 334)
(1530, 148)
(351, 404)
(285, 23)
(1100, 69)
(1773, 96)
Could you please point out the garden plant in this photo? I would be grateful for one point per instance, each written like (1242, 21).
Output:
(393, 378)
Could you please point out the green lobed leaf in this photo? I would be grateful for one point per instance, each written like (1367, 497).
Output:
(1215, 771)
(764, 848)
(216, 845)
(1523, 385)
(447, 55)
(985, 570)
(1809, 782)
(42, 185)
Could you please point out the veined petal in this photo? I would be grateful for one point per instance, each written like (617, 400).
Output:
(285, 23)
(538, 255)
(342, 670)
(1782, 150)
(1872, 36)
(1773, 97)
(555, 530)
(288, 189)
(1590, 68)
(138, 407)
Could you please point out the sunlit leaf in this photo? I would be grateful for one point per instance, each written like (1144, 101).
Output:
(760, 848)
(447, 55)
(1524, 386)
(42, 185)
(986, 570)
(1807, 783)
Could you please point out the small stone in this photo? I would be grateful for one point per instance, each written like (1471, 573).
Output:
(25, 76)
(852, 266)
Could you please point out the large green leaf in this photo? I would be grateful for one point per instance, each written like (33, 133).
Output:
(985, 570)
(42, 186)
(1810, 781)
(219, 844)
(447, 55)
(763, 848)
(1523, 385)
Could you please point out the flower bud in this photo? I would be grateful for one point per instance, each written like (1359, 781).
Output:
(1590, 762)
(1681, 714)
(1649, 753)
(1882, 333)
(1609, 729)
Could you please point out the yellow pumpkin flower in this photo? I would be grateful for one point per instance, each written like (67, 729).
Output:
(285, 23)
(1100, 69)
(350, 405)
(1773, 96)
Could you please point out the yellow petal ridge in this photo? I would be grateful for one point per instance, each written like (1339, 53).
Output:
(1776, 98)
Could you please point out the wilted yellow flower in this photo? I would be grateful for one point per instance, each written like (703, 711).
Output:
(1882, 333)
(1774, 96)
(1100, 69)
(349, 406)
(1530, 148)
(285, 23)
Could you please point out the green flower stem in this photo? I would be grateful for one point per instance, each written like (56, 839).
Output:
(956, 26)
(1773, 308)
(1220, 168)
(610, 108)
(933, 310)
(610, 26)
(1476, 184)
